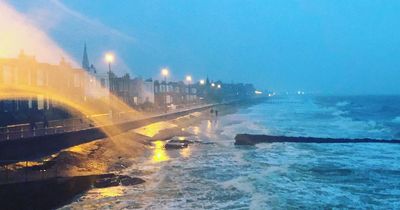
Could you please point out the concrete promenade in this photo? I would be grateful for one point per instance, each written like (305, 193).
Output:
(38, 145)
(21, 131)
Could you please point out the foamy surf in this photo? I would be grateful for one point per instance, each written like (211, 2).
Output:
(277, 175)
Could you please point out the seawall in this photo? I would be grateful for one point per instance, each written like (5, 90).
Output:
(32, 148)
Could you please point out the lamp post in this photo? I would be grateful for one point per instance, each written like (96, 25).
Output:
(201, 91)
(188, 80)
(165, 73)
(109, 58)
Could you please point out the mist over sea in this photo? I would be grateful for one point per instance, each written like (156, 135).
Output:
(278, 175)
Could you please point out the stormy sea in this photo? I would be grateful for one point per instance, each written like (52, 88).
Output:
(216, 174)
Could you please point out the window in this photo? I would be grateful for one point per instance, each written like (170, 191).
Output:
(40, 77)
(7, 74)
(76, 80)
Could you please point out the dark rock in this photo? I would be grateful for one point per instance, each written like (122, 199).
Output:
(118, 180)
(106, 182)
(169, 146)
(128, 181)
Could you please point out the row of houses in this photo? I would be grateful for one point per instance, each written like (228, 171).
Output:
(54, 81)
(25, 75)
(137, 92)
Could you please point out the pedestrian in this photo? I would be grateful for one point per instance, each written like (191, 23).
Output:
(216, 113)
(33, 125)
(45, 122)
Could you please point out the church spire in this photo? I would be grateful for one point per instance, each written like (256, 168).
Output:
(85, 60)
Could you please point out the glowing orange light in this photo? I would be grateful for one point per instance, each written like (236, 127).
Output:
(109, 58)
(159, 153)
(164, 72)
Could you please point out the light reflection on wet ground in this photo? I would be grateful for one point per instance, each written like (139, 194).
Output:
(154, 128)
(159, 152)
(185, 152)
(108, 192)
(151, 169)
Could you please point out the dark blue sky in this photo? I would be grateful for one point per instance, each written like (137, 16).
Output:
(331, 46)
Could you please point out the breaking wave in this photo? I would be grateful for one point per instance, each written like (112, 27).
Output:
(279, 175)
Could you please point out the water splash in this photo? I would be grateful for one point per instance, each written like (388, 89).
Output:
(26, 79)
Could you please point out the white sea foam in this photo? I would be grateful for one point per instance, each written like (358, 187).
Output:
(396, 119)
(238, 158)
(342, 103)
(241, 183)
(242, 126)
(259, 201)
(339, 113)
(310, 119)
(275, 175)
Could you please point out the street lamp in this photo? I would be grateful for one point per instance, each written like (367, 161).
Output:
(189, 80)
(218, 86)
(109, 58)
(165, 73)
(212, 84)
(202, 82)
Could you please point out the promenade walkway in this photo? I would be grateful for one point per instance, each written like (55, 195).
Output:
(22, 131)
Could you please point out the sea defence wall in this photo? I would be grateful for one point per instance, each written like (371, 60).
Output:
(251, 139)
(55, 192)
(41, 146)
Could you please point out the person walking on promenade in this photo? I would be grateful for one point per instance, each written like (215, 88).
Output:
(216, 113)
(45, 122)
(32, 124)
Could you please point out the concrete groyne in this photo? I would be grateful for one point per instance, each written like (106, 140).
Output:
(251, 139)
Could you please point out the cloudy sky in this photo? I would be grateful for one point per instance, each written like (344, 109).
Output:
(322, 46)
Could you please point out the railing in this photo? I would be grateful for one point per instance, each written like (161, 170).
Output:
(38, 129)
(20, 131)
